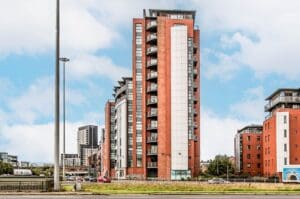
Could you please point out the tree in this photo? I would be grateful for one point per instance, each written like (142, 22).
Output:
(5, 168)
(219, 166)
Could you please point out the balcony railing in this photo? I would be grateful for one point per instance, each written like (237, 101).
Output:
(152, 152)
(151, 62)
(195, 86)
(152, 139)
(152, 126)
(152, 101)
(195, 125)
(152, 113)
(282, 99)
(151, 24)
(152, 88)
(151, 164)
(195, 99)
(195, 60)
(195, 71)
(151, 37)
(151, 50)
(152, 75)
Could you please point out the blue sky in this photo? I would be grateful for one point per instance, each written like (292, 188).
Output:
(247, 51)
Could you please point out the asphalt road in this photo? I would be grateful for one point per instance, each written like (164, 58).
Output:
(153, 197)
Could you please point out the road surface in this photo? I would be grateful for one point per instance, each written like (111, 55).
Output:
(152, 197)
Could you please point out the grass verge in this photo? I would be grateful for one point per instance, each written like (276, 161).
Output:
(138, 187)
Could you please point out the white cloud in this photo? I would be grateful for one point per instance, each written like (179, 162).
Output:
(89, 65)
(217, 134)
(37, 102)
(251, 106)
(223, 68)
(28, 27)
(274, 24)
(35, 142)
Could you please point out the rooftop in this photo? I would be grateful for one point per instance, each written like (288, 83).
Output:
(251, 127)
(282, 89)
(160, 12)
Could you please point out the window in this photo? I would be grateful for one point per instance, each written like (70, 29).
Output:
(248, 156)
(284, 119)
(258, 138)
(285, 133)
(248, 147)
(285, 147)
(258, 147)
(248, 165)
(258, 165)
(285, 161)
(258, 156)
(248, 138)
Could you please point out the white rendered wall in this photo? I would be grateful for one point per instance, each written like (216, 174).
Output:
(179, 98)
(237, 152)
(121, 123)
(281, 140)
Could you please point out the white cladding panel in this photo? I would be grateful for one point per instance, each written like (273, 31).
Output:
(179, 98)
(121, 123)
(282, 126)
(237, 152)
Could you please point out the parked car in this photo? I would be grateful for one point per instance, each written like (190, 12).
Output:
(93, 179)
(70, 178)
(218, 181)
(104, 179)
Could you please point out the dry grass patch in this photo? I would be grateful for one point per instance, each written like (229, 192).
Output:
(189, 187)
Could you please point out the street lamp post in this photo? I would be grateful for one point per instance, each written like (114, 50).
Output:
(56, 99)
(64, 60)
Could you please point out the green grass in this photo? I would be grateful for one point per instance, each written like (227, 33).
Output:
(144, 187)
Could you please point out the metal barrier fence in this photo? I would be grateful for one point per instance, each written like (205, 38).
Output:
(21, 185)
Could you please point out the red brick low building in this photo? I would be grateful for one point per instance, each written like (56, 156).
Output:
(248, 150)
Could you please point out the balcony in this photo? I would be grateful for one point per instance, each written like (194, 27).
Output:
(152, 126)
(151, 164)
(195, 99)
(152, 75)
(195, 72)
(151, 37)
(151, 25)
(121, 90)
(151, 50)
(152, 139)
(282, 99)
(195, 112)
(195, 125)
(195, 60)
(152, 100)
(113, 147)
(195, 86)
(152, 152)
(152, 113)
(195, 46)
(152, 62)
(152, 88)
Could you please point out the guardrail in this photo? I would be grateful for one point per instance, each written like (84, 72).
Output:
(12, 185)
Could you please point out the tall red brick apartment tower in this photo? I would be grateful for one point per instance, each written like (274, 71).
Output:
(166, 95)
(281, 131)
(157, 111)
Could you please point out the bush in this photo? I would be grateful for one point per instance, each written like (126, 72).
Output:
(6, 168)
